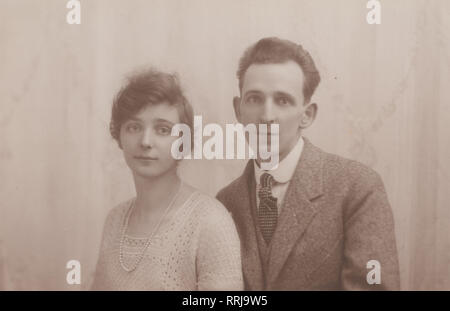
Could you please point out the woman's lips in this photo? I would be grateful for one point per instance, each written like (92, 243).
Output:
(145, 158)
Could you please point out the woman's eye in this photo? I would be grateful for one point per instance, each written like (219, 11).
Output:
(164, 130)
(133, 128)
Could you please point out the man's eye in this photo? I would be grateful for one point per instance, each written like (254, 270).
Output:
(164, 130)
(133, 127)
(253, 99)
(283, 101)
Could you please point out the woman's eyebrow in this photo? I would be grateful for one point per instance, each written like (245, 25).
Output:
(160, 120)
(134, 119)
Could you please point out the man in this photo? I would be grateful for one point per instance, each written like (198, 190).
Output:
(317, 221)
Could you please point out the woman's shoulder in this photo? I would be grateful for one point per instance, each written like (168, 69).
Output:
(208, 208)
(117, 213)
(214, 223)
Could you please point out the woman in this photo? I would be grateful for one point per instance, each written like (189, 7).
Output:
(170, 236)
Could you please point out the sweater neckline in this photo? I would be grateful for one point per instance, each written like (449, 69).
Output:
(173, 218)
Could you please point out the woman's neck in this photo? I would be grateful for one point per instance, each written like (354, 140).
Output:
(155, 193)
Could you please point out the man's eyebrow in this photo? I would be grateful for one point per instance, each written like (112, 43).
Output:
(284, 94)
(253, 92)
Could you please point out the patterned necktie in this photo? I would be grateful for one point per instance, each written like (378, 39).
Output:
(267, 211)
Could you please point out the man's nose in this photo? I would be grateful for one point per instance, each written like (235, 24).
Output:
(268, 113)
(147, 139)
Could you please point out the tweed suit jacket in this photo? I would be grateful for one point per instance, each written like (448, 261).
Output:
(335, 218)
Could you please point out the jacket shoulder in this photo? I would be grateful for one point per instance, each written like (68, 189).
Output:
(228, 192)
(348, 171)
(360, 186)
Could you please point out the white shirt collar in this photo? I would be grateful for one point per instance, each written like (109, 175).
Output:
(286, 168)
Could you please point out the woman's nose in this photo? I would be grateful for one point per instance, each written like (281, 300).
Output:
(147, 139)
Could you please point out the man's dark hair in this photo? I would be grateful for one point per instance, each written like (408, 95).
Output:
(144, 88)
(276, 51)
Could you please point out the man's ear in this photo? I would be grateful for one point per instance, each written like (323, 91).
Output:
(237, 107)
(309, 115)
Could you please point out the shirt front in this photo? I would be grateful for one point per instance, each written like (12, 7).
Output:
(282, 174)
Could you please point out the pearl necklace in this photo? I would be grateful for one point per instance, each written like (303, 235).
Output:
(147, 243)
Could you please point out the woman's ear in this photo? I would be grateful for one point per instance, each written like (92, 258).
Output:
(237, 107)
(308, 115)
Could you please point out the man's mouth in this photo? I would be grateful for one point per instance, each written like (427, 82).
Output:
(267, 133)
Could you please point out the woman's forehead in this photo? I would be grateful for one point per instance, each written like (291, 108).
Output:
(162, 111)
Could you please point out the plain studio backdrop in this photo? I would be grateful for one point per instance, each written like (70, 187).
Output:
(384, 100)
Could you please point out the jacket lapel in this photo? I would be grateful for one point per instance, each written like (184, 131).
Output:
(297, 210)
(251, 262)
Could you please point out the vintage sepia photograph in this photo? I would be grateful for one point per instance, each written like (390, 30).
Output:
(240, 145)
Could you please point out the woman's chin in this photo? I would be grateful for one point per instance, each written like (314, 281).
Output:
(150, 172)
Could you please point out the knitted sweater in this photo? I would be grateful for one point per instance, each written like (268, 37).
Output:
(197, 249)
